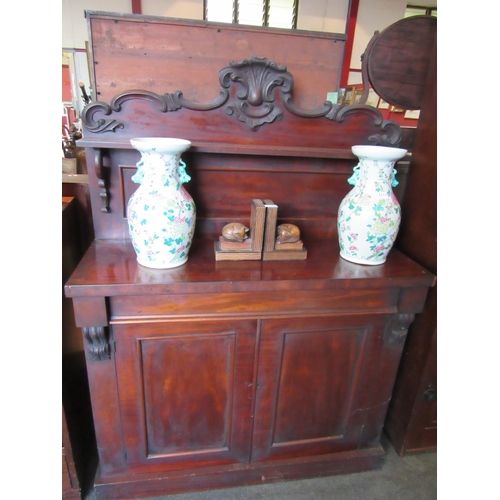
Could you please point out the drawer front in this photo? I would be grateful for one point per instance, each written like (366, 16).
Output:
(255, 305)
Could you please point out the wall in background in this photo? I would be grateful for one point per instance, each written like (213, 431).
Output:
(373, 15)
(314, 15)
(74, 24)
(184, 9)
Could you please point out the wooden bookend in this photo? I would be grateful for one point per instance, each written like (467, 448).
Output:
(270, 230)
(282, 242)
(251, 247)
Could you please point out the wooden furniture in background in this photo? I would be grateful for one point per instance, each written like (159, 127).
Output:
(396, 61)
(70, 484)
(82, 226)
(79, 454)
(400, 64)
(411, 423)
(219, 374)
(395, 65)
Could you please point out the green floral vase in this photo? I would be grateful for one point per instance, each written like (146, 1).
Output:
(370, 214)
(161, 214)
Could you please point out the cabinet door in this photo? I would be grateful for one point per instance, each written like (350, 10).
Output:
(317, 378)
(185, 392)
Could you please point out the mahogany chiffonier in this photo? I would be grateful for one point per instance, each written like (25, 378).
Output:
(217, 374)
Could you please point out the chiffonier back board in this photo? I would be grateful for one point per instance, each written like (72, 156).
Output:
(218, 374)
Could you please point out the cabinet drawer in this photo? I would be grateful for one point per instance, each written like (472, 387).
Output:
(262, 304)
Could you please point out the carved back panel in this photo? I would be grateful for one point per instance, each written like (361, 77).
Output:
(164, 55)
(259, 129)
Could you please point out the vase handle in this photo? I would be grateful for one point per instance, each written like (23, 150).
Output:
(354, 177)
(139, 175)
(181, 172)
(394, 182)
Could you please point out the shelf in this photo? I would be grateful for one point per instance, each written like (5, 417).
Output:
(109, 268)
(235, 149)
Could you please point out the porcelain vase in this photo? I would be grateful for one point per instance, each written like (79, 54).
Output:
(370, 214)
(161, 214)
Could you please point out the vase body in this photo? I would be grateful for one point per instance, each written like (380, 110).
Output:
(370, 214)
(161, 214)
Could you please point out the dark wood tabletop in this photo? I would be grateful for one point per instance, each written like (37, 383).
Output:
(109, 268)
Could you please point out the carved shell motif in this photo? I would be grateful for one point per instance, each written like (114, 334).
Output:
(287, 233)
(235, 231)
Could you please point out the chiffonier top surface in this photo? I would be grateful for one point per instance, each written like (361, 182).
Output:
(109, 268)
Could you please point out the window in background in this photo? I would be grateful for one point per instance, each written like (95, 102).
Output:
(272, 13)
(417, 10)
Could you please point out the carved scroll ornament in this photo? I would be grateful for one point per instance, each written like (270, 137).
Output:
(257, 81)
(258, 77)
(97, 342)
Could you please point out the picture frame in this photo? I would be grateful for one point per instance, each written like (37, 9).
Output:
(383, 104)
(352, 95)
(372, 99)
(412, 114)
(395, 109)
(358, 93)
(349, 94)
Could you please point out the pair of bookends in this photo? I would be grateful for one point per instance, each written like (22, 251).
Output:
(264, 240)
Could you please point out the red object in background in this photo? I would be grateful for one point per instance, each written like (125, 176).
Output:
(136, 7)
(66, 84)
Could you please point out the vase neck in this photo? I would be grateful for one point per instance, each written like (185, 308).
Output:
(158, 168)
(160, 162)
(166, 158)
(375, 170)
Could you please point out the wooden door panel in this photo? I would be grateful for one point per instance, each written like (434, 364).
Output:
(183, 413)
(187, 392)
(314, 382)
(320, 407)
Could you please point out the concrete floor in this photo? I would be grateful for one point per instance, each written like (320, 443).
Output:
(413, 477)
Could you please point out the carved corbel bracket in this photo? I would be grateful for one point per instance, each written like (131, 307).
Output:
(97, 342)
(102, 179)
(397, 328)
